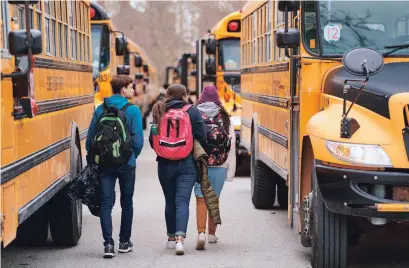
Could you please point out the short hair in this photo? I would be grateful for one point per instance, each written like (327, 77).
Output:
(120, 81)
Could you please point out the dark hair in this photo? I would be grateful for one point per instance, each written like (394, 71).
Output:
(120, 81)
(174, 92)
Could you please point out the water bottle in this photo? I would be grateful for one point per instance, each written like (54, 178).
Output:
(154, 129)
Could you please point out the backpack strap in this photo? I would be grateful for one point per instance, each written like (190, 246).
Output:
(186, 107)
(123, 109)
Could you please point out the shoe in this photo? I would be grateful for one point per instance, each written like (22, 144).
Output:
(212, 239)
(201, 241)
(109, 251)
(171, 244)
(125, 247)
(179, 248)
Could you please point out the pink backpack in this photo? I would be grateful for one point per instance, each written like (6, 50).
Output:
(175, 138)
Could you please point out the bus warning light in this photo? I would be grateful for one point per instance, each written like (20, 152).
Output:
(233, 26)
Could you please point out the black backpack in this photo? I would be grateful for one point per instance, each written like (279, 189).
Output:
(218, 140)
(112, 144)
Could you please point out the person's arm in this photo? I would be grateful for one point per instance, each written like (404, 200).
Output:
(231, 159)
(91, 130)
(198, 125)
(136, 131)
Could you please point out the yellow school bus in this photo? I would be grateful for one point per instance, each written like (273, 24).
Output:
(325, 90)
(108, 49)
(222, 68)
(47, 104)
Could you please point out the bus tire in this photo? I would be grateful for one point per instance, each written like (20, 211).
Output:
(282, 194)
(329, 249)
(262, 180)
(65, 210)
(34, 230)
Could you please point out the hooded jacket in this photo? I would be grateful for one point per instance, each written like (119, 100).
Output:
(211, 109)
(198, 125)
(209, 195)
(134, 122)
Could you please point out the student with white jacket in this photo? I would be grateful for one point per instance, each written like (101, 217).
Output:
(218, 171)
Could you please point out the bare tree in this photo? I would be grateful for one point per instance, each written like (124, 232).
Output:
(167, 29)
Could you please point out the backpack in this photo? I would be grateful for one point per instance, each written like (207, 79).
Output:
(218, 140)
(112, 144)
(175, 138)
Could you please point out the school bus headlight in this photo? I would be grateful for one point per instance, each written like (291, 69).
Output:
(359, 154)
(235, 120)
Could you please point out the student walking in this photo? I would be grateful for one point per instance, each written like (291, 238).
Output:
(114, 141)
(176, 125)
(221, 151)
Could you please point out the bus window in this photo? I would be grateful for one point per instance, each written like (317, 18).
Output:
(310, 33)
(229, 54)
(100, 47)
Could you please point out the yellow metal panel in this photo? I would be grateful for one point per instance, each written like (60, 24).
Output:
(10, 210)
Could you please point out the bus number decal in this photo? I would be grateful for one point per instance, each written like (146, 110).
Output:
(103, 78)
(332, 32)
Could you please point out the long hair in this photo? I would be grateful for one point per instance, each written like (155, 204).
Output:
(174, 92)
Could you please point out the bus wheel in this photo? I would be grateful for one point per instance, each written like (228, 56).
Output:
(282, 193)
(34, 230)
(65, 219)
(262, 182)
(329, 249)
(66, 214)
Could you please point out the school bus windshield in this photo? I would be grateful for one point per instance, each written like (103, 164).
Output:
(229, 54)
(100, 47)
(344, 25)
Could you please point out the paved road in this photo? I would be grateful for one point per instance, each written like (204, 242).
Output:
(248, 237)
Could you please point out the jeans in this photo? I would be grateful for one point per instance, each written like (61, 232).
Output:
(126, 175)
(177, 179)
(217, 177)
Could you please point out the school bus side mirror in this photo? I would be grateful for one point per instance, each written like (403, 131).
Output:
(211, 46)
(291, 6)
(138, 76)
(211, 66)
(119, 46)
(290, 39)
(123, 69)
(138, 61)
(363, 61)
(12, 2)
(18, 45)
(194, 58)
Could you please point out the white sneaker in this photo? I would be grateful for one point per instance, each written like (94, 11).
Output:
(201, 241)
(170, 244)
(212, 239)
(179, 248)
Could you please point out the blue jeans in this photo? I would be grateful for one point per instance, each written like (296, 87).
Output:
(126, 175)
(217, 177)
(177, 179)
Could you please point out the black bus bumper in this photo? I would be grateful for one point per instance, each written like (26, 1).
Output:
(343, 191)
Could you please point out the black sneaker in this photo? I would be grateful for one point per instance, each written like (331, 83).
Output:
(109, 251)
(125, 247)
